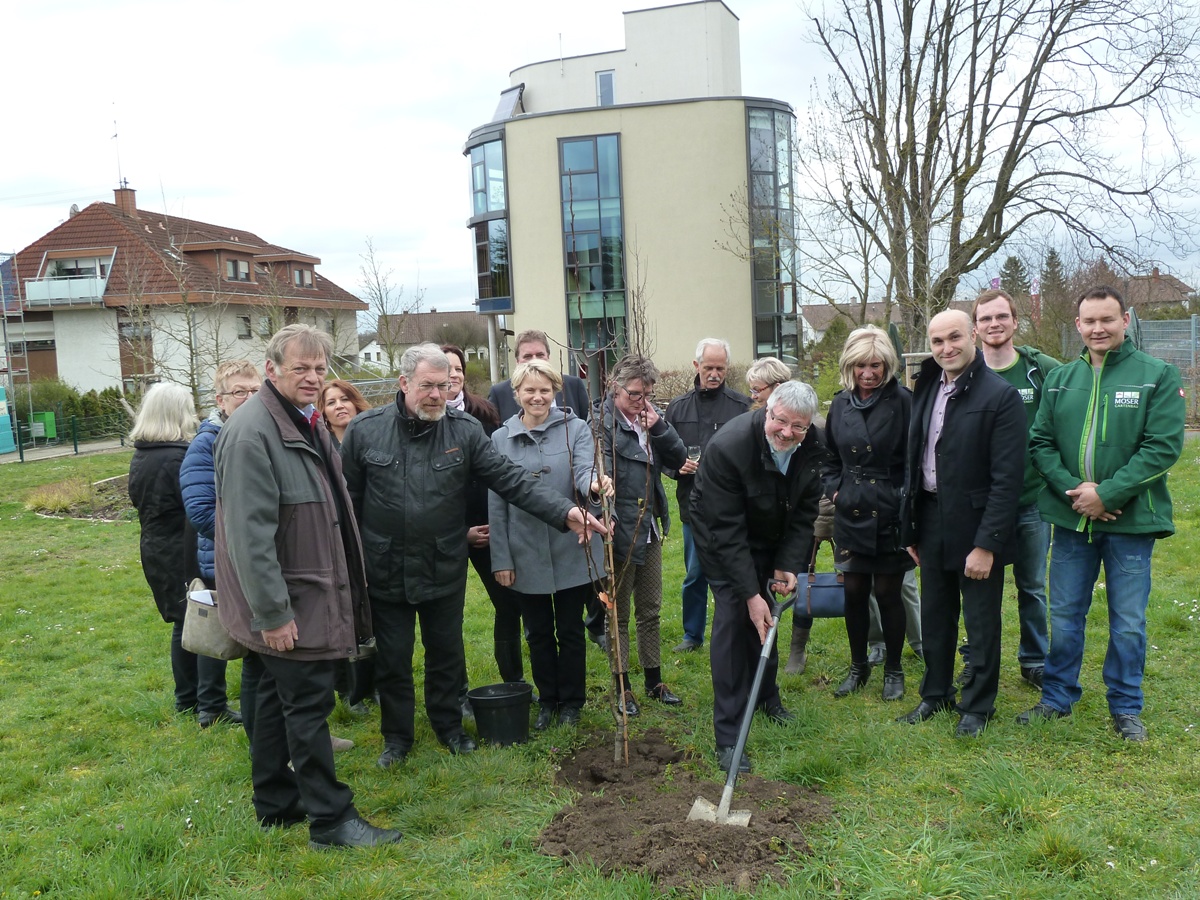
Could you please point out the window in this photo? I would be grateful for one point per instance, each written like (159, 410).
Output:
(487, 178)
(302, 277)
(237, 270)
(264, 327)
(772, 233)
(604, 88)
(593, 239)
(243, 327)
(491, 259)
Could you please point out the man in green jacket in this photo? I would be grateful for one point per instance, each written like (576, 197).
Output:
(1109, 428)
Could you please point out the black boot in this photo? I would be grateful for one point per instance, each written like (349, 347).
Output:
(508, 660)
(860, 673)
(893, 684)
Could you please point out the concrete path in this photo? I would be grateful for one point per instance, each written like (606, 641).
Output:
(57, 450)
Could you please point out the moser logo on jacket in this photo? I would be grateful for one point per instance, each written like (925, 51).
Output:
(1127, 398)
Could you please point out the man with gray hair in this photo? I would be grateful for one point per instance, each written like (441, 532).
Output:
(408, 466)
(696, 416)
(752, 507)
(289, 569)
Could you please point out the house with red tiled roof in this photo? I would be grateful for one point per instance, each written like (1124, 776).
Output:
(1156, 290)
(118, 295)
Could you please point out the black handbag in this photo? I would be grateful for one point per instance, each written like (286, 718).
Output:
(824, 593)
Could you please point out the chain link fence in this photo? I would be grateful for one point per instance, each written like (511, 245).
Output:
(1176, 341)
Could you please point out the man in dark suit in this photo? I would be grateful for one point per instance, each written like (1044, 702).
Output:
(966, 457)
(534, 344)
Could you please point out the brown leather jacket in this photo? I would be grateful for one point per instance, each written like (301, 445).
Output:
(282, 552)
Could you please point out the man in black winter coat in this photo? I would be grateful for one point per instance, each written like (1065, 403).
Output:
(696, 416)
(966, 464)
(753, 507)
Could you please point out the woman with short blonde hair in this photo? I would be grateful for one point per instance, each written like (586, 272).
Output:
(763, 376)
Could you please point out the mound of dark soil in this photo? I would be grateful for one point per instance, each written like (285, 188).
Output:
(634, 818)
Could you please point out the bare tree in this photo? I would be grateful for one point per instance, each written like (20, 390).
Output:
(388, 304)
(950, 126)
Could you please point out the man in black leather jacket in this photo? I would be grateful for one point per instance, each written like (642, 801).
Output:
(753, 507)
(697, 416)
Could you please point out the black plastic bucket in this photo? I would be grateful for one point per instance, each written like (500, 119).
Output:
(502, 711)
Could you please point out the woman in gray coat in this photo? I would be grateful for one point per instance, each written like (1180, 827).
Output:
(550, 572)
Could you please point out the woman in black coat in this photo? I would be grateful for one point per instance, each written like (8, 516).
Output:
(165, 424)
(867, 434)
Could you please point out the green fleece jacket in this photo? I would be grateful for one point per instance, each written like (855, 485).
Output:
(1120, 427)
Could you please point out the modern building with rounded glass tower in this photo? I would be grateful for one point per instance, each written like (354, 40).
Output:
(639, 183)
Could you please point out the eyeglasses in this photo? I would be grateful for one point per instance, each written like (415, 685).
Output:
(241, 395)
(428, 387)
(765, 389)
(793, 427)
(999, 317)
(638, 395)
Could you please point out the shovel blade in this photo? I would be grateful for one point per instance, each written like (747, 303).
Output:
(704, 811)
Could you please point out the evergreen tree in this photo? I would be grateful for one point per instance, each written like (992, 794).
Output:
(1014, 278)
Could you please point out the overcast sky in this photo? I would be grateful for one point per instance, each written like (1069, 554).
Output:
(311, 124)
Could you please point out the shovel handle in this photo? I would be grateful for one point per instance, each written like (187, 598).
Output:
(778, 607)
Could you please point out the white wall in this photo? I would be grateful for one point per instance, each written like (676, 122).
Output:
(671, 53)
(86, 348)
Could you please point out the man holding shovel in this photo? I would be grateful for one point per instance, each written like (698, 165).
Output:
(752, 509)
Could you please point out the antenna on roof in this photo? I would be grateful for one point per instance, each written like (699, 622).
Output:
(120, 181)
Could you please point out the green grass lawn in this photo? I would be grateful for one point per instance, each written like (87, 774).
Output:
(105, 791)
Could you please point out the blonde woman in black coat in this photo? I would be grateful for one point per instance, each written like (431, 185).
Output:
(867, 434)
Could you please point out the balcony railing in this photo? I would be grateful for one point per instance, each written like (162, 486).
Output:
(69, 290)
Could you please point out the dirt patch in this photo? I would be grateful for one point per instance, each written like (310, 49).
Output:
(634, 818)
(105, 501)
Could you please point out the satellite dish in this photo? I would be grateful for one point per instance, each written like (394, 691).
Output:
(74, 211)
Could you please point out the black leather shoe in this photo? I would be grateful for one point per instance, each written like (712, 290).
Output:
(460, 744)
(876, 657)
(393, 754)
(893, 685)
(970, 725)
(1041, 711)
(356, 832)
(925, 711)
(568, 715)
(544, 717)
(856, 680)
(1033, 675)
(294, 815)
(225, 716)
(687, 645)
(1129, 726)
(725, 760)
(776, 712)
(967, 673)
(662, 694)
(628, 705)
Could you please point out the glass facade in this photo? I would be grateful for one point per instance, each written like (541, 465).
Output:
(593, 240)
(489, 224)
(772, 232)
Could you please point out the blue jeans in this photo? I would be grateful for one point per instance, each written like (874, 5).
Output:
(1029, 573)
(1074, 564)
(695, 591)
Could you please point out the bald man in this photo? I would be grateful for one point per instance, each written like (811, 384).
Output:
(966, 464)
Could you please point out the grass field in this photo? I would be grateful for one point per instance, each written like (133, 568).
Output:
(107, 792)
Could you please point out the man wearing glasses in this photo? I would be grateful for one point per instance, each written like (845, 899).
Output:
(697, 416)
(408, 466)
(752, 509)
(966, 464)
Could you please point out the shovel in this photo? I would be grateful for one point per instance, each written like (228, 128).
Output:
(703, 810)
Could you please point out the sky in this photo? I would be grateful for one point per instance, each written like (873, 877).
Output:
(313, 125)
